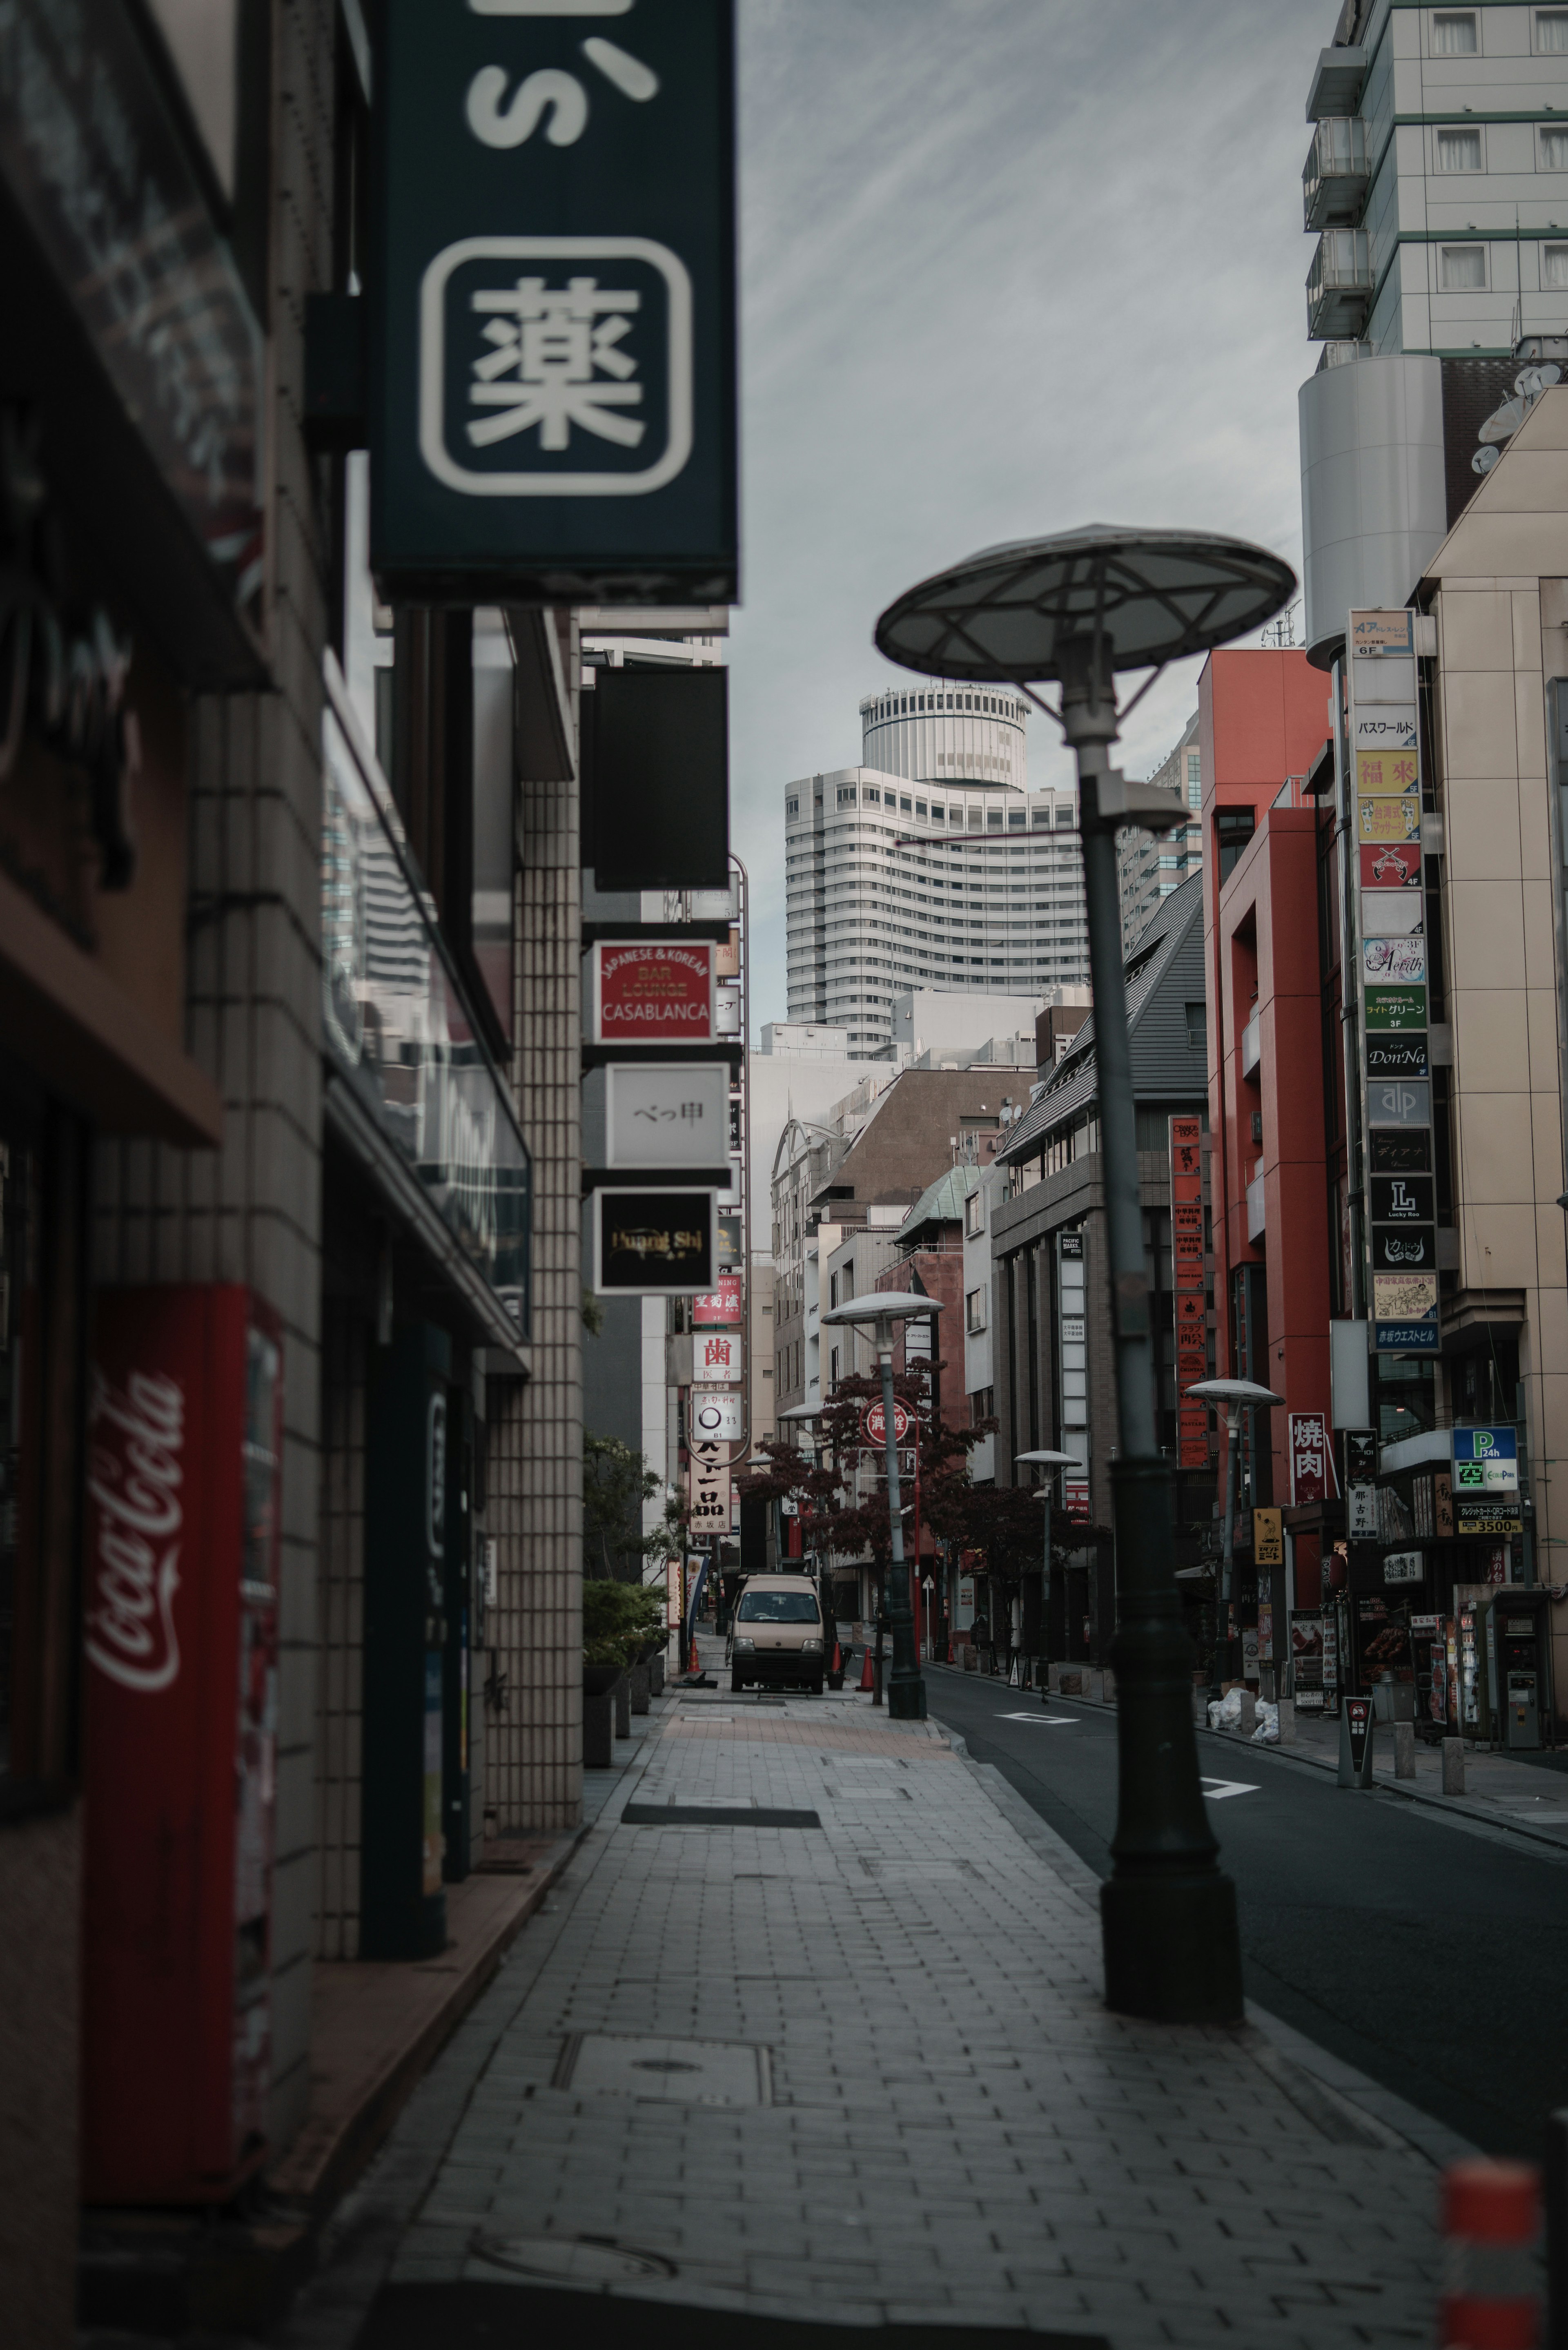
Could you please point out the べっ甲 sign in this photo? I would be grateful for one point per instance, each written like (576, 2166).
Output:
(551, 327)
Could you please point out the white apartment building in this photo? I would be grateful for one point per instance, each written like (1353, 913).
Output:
(1437, 179)
(1150, 866)
(930, 864)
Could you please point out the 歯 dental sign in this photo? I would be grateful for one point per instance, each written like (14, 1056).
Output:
(652, 991)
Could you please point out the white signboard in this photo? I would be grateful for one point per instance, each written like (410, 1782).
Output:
(715, 1357)
(674, 1115)
(1361, 1512)
(717, 1417)
(1404, 1566)
(709, 1487)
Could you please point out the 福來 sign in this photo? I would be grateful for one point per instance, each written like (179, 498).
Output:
(551, 330)
(653, 992)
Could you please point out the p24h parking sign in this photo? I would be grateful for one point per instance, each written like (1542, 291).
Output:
(552, 302)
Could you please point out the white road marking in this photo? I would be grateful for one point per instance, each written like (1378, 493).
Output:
(1217, 1789)
(1046, 1721)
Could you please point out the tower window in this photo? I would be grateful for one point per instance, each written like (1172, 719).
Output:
(1458, 150)
(1461, 268)
(1454, 33)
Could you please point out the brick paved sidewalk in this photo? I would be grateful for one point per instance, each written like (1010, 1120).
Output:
(916, 2109)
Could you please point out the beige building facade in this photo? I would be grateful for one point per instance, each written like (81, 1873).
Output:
(1497, 590)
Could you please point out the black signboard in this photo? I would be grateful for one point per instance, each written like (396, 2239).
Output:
(656, 779)
(1393, 1053)
(654, 1244)
(1071, 1245)
(1405, 1248)
(1402, 1200)
(730, 1247)
(1360, 1456)
(552, 304)
(1399, 1151)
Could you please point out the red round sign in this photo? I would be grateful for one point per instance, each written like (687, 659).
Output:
(874, 1423)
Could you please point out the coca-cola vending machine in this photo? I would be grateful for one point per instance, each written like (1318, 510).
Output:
(179, 1721)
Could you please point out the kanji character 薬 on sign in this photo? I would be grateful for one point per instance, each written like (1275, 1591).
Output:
(557, 366)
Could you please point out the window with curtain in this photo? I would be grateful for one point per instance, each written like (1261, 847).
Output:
(1554, 148)
(1555, 266)
(1552, 32)
(1461, 268)
(1458, 150)
(1454, 33)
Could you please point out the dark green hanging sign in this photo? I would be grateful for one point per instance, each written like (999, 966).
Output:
(551, 335)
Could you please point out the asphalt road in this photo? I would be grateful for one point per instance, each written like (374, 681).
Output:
(1432, 1956)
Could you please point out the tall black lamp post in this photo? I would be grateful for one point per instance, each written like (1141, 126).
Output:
(1237, 1396)
(1050, 1461)
(907, 1689)
(1076, 609)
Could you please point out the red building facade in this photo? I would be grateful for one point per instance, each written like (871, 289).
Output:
(1275, 1087)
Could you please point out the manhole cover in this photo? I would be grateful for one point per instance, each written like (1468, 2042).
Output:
(681, 2071)
(578, 2260)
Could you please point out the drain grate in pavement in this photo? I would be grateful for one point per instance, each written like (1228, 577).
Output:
(674, 2072)
(933, 1872)
(575, 2259)
(716, 1816)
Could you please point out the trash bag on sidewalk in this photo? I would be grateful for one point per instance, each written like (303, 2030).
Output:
(1267, 1732)
(1225, 1712)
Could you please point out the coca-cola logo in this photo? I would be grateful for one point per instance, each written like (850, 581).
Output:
(138, 1433)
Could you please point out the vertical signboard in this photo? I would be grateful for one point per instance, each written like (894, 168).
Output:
(552, 303)
(708, 1487)
(1186, 1278)
(1073, 1358)
(1390, 975)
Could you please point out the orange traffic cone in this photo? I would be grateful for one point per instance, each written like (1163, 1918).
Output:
(866, 1683)
(838, 1664)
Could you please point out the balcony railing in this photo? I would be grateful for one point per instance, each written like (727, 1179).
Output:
(1339, 285)
(1334, 177)
(396, 1029)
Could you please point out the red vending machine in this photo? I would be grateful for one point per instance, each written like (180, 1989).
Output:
(180, 1703)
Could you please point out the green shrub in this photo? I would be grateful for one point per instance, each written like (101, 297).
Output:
(618, 1620)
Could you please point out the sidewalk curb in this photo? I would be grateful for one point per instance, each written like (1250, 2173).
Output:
(1347, 2106)
(1449, 1807)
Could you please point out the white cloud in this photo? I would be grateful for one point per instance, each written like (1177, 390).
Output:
(1007, 266)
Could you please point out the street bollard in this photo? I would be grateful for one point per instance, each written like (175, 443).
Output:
(598, 1729)
(1356, 1742)
(1404, 1749)
(1249, 1722)
(1554, 2188)
(1492, 2219)
(642, 1688)
(1453, 1766)
(623, 1707)
(1287, 1721)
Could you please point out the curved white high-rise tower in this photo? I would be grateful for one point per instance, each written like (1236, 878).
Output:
(931, 865)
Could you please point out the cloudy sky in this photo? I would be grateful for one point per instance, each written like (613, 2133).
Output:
(1007, 266)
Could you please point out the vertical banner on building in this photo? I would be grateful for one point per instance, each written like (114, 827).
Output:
(1390, 954)
(1312, 1458)
(1073, 1358)
(1187, 1274)
(709, 1488)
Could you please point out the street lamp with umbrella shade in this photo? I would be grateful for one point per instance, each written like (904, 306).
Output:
(1237, 1396)
(1050, 1461)
(907, 1689)
(1078, 609)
